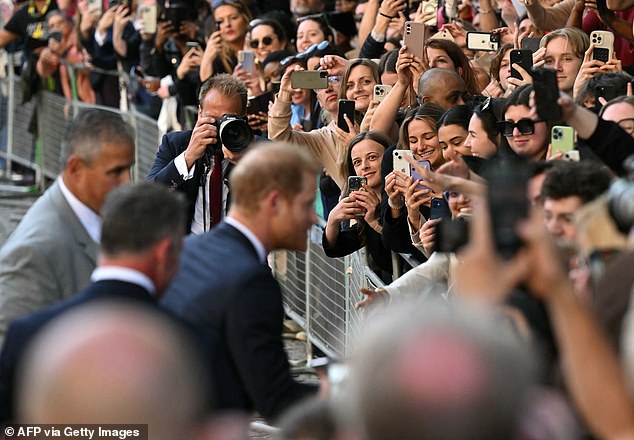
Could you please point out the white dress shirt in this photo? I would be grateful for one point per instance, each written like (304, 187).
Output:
(88, 218)
(120, 273)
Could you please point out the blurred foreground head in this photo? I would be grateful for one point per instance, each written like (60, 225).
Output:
(113, 364)
(439, 374)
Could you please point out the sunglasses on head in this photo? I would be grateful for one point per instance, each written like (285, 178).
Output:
(525, 126)
(266, 41)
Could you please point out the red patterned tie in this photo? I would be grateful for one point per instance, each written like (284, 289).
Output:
(215, 192)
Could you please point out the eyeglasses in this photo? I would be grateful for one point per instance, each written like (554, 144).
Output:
(627, 125)
(525, 126)
(266, 41)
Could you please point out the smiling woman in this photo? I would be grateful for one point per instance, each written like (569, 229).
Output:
(358, 83)
(355, 221)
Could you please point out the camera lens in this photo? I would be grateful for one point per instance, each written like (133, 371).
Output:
(234, 133)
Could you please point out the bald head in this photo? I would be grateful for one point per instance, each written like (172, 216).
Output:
(113, 363)
(443, 87)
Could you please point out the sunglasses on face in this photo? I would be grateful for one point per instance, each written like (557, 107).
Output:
(266, 41)
(525, 126)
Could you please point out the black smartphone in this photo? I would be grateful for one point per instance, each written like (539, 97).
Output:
(257, 104)
(275, 87)
(530, 43)
(522, 57)
(439, 208)
(546, 94)
(451, 235)
(345, 107)
(606, 92)
(508, 203)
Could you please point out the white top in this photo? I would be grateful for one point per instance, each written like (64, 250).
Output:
(121, 273)
(198, 223)
(257, 244)
(88, 218)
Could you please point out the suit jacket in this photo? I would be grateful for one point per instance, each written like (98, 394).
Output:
(49, 257)
(164, 170)
(24, 329)
(222, 285)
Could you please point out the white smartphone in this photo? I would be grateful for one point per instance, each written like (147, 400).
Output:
(400, 163)
(95, 6)
(147, 15)
(430, 6)
(483, 41)
(381, 91)
(603, 42)
(247, 59)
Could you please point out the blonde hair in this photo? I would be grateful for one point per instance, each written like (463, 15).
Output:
(577, 39)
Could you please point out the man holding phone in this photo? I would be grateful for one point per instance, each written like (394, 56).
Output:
(180, 158)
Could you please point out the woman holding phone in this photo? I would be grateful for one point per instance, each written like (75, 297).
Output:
(232, 19)
(355, 221)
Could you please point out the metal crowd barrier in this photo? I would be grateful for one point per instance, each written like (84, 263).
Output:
(49, 115)
(320, 292)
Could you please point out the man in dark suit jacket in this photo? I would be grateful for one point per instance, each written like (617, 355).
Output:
(141, 238)
(180, 159)
(225, 284)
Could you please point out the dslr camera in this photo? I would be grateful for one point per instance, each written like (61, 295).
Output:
(621, 199)
(233, 132)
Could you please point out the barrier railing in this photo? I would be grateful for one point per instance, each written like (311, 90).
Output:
(319, 292)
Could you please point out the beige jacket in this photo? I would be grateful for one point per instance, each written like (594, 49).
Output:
(323, 143)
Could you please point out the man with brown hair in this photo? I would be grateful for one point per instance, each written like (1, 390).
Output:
(225, 285)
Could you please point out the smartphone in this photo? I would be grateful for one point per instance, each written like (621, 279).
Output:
(443, 35)
(355, 183)
(603, 42)
(562, 139)
(381, 91)
(309, 79)
(257, 104)
(95, 6)
(113, 3)
(439, 208)
(192, 45)
(428, 7)
(546, 94)
(400, 163)
(415, 175)
(414, 38)
(275, 87)
(483, 41)
(345, 107)
(524, 58)
(530, 43)
(247, 59)
(451, 235)
(606, 92)
(147, 15)
(508, 203)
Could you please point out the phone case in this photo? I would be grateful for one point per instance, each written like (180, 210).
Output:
(431, 6)
(95, 6)
(562, 138)
(309, 79)
(381, 91)
(400, 163)
(530, 43)
(345, 107)
(439, 208)
(355, 183)
(522, 57)
(603, 45)
(483, 41)
(247, 59)
(148, 14)
(546, 94)
(416, 176)
(443, 35)
(414, 38)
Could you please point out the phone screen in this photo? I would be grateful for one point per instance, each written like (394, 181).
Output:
(416, 176)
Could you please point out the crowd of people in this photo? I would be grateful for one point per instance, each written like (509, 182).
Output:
(493, 141)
